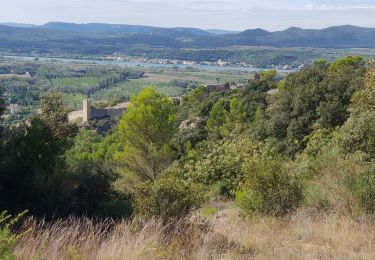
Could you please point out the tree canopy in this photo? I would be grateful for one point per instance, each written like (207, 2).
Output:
(146, 130)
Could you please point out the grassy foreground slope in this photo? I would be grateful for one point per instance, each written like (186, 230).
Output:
(223, 235)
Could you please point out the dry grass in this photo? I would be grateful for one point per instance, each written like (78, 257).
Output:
(304, 235)
(84, 239)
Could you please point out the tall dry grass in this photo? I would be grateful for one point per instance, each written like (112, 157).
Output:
(304, 235)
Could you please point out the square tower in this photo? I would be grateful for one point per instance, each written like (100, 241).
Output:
(86, 113)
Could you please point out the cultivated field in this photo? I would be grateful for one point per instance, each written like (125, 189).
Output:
(202, 77)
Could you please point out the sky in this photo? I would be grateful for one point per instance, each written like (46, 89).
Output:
(206, 14)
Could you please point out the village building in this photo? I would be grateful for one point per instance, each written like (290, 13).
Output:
(217, 87)
(89, 112)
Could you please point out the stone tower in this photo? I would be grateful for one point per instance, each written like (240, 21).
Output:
(86, 113)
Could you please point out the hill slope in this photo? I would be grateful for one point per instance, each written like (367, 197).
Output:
(109, 38)
(334, 37)
(125, 29)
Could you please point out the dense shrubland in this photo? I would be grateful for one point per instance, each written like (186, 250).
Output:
(304, 152)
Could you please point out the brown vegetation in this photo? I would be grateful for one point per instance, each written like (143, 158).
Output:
(225, 235)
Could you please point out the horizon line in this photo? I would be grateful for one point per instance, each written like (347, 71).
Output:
(9, 24)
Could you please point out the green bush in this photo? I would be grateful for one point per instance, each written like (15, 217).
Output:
(363, 187)
(269, 189)
(367, 194)
(221, 164)
(7, 242)
(168, 197)
(316, 97)
(335, 181)
(7, 239)
(358, 132)
(315, 196)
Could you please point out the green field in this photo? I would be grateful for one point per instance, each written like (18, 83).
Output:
(23, 82)
(76, 84)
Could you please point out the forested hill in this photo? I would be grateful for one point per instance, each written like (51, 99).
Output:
(125, 28)
(346, 36)
(67, 37)
(336, 37)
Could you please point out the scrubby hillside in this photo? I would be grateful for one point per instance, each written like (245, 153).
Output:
(276, 169)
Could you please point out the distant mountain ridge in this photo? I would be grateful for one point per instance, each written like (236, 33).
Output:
(107, 38)
(346, 36)
(220, 32)
(125, 28)
(19, 25)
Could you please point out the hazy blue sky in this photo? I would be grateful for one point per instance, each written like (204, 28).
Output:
(224, 14)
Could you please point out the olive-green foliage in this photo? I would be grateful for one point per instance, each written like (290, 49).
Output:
(223, 122)
(220, 164)
(186, 139)
(30, 157)
(259, 86)
(234, 147)
(343, 63)
(317, 141)
(146, 130)
(7, 239)
(316, 97)
(168, 197)
(55, 118)
(268, 75)
(363, 188)
(269, 188)
(90, 167)
(47, 170)
(216, 121)
(357, 136)
(236, 116)
(200, 102)
(335, 179)
(248, 105)
(84, 147)
(91, 145)
(358, 132)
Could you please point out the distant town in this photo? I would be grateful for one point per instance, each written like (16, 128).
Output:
(219, 62)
